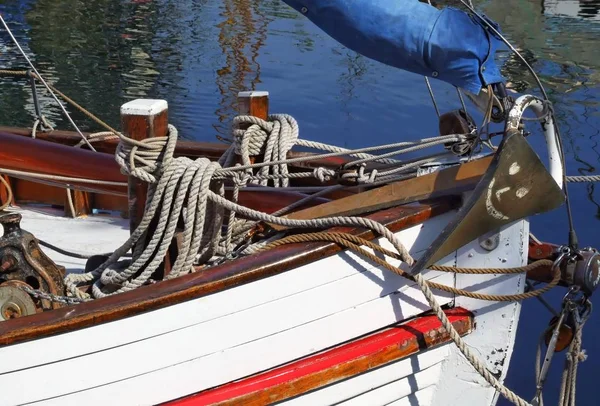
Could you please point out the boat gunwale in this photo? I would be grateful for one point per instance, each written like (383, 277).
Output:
(213, 280)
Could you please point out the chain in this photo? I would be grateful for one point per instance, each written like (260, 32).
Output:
(38, 294)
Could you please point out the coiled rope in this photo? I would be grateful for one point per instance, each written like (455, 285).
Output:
(174, 181)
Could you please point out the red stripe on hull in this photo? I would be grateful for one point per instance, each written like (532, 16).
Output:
(335, 364)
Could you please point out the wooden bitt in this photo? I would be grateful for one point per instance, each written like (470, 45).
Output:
(142, 119)
(253, 103)
(336, 364)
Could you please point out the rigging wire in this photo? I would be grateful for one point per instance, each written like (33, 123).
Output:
(44, 82)
(572, 235)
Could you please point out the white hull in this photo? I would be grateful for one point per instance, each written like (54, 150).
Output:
(183, 349)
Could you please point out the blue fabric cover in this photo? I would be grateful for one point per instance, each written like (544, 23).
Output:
(447, 44)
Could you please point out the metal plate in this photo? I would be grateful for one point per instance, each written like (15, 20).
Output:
(515, 186)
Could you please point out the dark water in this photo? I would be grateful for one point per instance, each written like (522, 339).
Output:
(198, 54)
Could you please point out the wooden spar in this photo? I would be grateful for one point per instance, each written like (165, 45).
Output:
(453, 180)
(336, 364)
(31, 155)
(191, 149)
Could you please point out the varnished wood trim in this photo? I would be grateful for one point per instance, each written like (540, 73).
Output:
(190, 149)
(210, 281)
(332, 366)
(26, 154)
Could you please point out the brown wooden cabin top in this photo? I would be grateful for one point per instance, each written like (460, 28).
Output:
(209, 281)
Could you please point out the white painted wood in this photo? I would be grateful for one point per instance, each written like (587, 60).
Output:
(496, 323)
(144, 107)
(377, 378)
(253, 93)
(188, 314)
(420, 398)
(226, 336)
(402, 388)
(248, 341)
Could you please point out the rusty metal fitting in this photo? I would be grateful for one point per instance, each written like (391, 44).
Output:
(7, 263)
(24, 265)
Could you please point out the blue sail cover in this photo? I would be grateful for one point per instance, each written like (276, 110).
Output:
(447, 44)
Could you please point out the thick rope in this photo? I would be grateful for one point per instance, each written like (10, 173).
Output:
(354, 243)
(348, 241)
(172, 182)
(9, 194)
(582, 178)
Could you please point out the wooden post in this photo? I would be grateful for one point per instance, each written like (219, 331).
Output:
(141, 119)
(254, 103)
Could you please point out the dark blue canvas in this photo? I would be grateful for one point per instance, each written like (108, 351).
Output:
(447, 44)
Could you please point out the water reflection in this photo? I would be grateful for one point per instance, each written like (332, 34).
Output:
(242, 34)
(588, 9)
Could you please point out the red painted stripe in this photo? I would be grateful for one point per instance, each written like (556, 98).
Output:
(322, 361)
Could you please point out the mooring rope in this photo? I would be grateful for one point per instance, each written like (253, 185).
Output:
(9, 193)
(172, 181)
(354, 243)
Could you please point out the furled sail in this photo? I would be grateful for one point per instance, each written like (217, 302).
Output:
(447, 44)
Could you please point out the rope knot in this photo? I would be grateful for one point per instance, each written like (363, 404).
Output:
(323, 174)
(366, 178)
(146, 159)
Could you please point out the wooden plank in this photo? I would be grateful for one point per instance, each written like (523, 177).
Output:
(245, 341)
(329, 367)
(408, 369)
(453, 180)
(199, 284)
(30, 192)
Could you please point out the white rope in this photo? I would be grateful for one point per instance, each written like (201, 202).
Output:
(174, 181)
